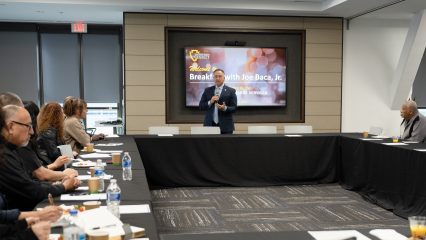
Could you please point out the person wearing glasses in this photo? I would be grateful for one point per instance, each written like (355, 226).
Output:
(22, 191)
(76, 110)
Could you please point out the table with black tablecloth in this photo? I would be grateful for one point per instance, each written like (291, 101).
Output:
(391, 176)
(238, 160)
(133, 192)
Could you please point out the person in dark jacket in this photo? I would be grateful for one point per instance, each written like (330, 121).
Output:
(16, 225)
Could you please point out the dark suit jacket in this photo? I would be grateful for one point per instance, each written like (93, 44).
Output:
(227, 96)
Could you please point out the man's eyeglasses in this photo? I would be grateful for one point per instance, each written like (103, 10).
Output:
(29, 126)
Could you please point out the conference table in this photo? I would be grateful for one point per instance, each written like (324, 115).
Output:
(135, 192)
(390, 176)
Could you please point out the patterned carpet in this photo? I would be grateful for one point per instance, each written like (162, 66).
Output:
(267, 209)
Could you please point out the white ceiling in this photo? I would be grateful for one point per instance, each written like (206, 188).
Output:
(111, 11)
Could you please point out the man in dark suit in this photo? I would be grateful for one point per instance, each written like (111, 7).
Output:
(220, 101)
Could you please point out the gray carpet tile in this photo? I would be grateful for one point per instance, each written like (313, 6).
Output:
(266, 209)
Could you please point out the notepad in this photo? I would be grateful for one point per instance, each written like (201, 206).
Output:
(293, 135)
(395, 144)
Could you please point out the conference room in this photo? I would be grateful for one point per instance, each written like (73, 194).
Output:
(318, 89)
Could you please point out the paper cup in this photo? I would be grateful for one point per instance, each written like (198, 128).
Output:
(97, 235)
(116, 160)
(89, 147)
(93, 184)
(365, 134)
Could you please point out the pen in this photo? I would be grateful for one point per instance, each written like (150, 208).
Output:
(106, 226)
(50, 198)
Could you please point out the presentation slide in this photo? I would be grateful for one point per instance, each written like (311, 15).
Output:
(257, 74)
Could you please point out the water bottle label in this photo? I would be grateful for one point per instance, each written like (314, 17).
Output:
(98, 172)
(127, 164)
(114, 196)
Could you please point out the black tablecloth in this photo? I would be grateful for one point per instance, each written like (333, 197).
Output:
(238, 160)
(390, 176)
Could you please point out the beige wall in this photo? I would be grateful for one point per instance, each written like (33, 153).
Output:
(145, 66)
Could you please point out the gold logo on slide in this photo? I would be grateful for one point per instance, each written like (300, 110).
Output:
(195, 54)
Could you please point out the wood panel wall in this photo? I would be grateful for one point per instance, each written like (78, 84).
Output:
(145, 66)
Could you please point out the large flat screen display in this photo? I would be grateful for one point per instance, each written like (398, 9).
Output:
(257, 74)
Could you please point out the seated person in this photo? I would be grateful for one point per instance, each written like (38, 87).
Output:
(413, 125)
(23, 192)
(75, 135)
(35, 162)
(56, 163)
(25, 229)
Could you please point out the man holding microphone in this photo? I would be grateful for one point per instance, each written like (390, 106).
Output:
(220, 101)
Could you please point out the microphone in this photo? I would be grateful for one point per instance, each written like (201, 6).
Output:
(216, 93)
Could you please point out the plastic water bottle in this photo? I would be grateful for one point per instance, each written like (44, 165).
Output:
(72, 231)
(126, 162)
(113, 198)
(99, 172)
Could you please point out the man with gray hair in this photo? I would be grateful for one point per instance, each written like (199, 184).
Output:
(23, 192)
(9, 98)
(413, 126)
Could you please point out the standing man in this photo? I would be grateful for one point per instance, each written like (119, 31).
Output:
(220, 101)
(413, 127)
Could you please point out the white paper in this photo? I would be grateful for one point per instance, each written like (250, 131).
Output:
(380, 136)
(108, 144)
(410, 142)
(387, 234)
(97, 218)
(337, 235)
(420, 150)
(371, 139)
(83, 197)
(82, 188)
(96, 155)
(114, 231)
(54, 236)
(112, 136)
(109, 151)
(86, 177)
(133, 209)
(395, 144)
(165, 135)
(293, 135)
(66, 150)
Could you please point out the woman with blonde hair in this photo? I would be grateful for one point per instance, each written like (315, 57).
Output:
(50, 128)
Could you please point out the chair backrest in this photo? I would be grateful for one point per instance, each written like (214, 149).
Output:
(297, 129)
(262, 129)
(163, 130)
(375, 131)
(205, 130)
